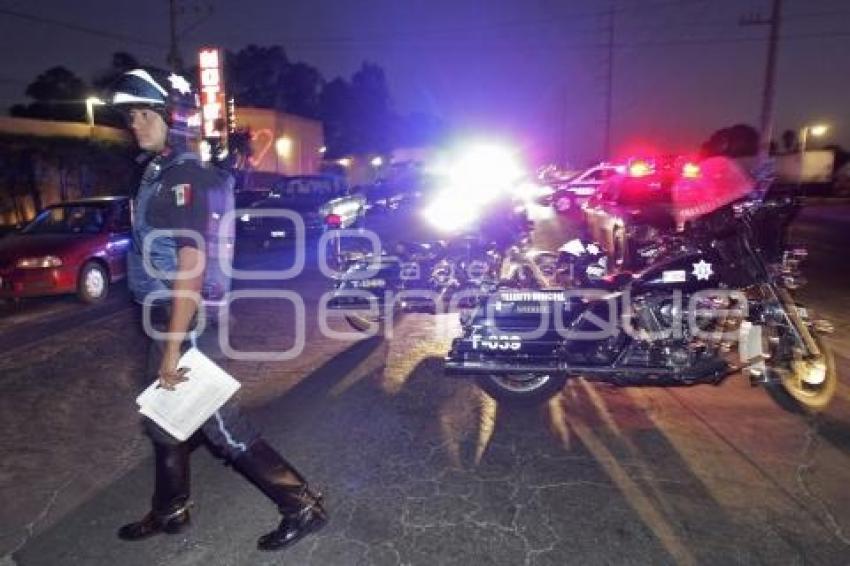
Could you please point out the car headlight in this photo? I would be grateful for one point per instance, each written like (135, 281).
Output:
(245, 218)
(43, 262)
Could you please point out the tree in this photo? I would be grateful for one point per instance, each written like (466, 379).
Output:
(263, 77)
(336, 103)
(302, 85)
(357, 114)
(358, 117)
(740, 140)
(31, 166)
(238, 159)
(372, 113)
(120, 64)
(58, 94)
(18, 179)
(256, 76)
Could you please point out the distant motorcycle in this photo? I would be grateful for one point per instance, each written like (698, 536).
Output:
(430, 275)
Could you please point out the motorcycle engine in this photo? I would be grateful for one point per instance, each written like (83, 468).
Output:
(659, 326)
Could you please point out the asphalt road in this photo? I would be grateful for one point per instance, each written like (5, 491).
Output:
(419, 468)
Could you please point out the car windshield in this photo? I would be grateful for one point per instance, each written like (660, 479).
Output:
(73, 219)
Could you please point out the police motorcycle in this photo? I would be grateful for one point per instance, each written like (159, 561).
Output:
(477, 233)
(423, 277)
(370, 287)
(711, 302)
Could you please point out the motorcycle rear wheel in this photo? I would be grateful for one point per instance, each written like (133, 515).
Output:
(813, 398)
(522, 389)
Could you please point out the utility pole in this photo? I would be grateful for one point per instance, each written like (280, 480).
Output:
(609, 83)
(768, 94)
(174, 61)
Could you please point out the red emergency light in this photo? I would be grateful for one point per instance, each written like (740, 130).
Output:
(333, 221)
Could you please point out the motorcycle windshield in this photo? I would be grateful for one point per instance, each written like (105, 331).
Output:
(720, 181)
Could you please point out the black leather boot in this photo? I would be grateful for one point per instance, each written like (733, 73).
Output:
(303, 515)
(301, 508)
(169, 506)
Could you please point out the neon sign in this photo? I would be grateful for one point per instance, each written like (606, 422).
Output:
(213, 107)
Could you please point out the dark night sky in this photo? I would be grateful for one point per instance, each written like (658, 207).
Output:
(533, 70)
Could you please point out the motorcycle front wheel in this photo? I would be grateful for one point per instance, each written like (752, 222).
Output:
(808, 396)
(522, 388)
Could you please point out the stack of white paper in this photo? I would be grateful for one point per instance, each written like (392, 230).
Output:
(181, 412)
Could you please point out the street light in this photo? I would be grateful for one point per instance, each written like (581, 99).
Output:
(91, 102)
(283, 145)
(816, 130)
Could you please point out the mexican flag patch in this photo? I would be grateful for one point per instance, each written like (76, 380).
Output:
(182, 194)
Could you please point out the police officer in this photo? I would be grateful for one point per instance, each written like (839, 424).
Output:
(166, 269)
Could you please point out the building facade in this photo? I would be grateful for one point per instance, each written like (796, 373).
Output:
(43, 162)
(281, 144)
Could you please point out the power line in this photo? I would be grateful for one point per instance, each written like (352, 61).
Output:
(731, 40)
(345, 42)
(428, 37)
(381, 38)
(811, 15)
(79, 28)
(376, 36)
(513, 43)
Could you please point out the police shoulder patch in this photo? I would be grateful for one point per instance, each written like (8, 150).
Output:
(182, 194)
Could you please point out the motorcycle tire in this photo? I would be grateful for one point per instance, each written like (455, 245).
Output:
(522, 389)
(791, 390)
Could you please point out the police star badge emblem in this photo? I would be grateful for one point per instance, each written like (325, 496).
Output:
(702, 270)
(179, 83)
(182, 194)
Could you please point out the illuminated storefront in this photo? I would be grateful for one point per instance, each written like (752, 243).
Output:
(281, 144)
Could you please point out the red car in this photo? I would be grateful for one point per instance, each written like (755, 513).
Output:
(71, 247)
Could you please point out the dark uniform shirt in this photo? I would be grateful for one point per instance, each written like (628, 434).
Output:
(170, 211)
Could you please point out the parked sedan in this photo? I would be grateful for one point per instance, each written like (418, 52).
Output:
(622, 218)
(318, 200)
(383, 196)
(71, 247)
(632, 209)
(569, 195)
